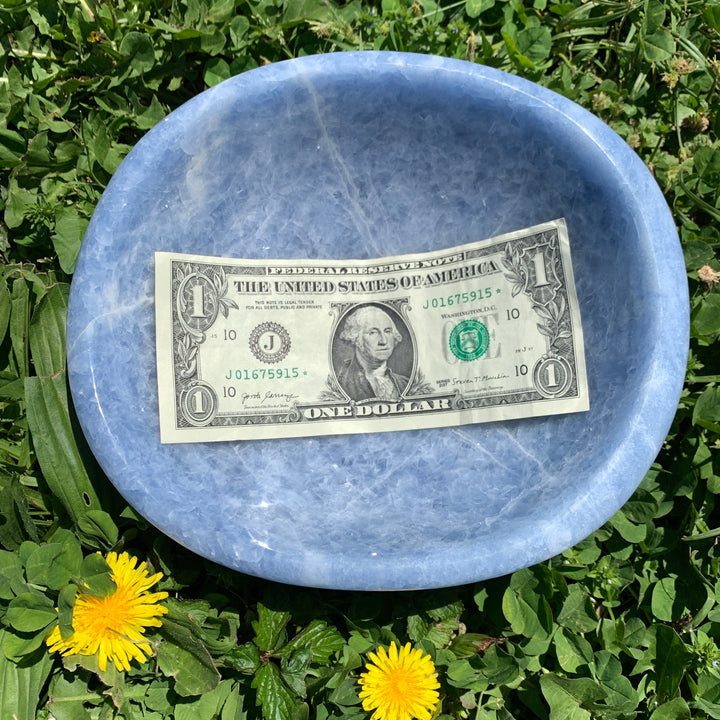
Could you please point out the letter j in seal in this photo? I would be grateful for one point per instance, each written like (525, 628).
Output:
(469, 340)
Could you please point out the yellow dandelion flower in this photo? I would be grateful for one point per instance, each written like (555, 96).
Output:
(400, 685)
(113, 626)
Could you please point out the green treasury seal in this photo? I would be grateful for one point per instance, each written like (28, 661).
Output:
(469, 340)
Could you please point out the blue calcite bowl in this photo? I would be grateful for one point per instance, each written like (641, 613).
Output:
(364, 155)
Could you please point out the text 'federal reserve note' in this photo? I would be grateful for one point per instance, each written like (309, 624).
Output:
(251, 349)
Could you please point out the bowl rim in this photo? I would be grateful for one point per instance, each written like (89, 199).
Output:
(654, 221)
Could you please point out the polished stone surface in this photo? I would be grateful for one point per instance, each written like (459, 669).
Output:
(364, 155)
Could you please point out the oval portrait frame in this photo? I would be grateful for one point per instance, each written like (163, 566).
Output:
(403, 360)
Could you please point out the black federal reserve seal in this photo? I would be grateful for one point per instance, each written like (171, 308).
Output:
(270, 342)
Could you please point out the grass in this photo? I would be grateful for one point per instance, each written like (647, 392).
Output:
(624, 625)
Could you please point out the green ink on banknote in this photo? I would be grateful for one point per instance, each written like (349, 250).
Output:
(252, 349)
(469, 340)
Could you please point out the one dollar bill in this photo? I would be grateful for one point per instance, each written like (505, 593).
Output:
(251, 349)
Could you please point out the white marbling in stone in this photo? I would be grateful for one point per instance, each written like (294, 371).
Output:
(364, 155)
